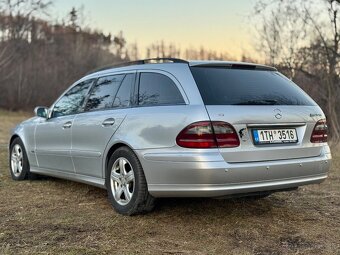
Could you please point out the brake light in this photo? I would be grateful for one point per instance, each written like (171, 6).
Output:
(319, 134)
(208, 134)
(225, 134)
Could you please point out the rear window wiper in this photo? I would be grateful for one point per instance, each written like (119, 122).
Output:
(257, 102)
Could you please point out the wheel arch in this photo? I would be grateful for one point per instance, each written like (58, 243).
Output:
(14, 136)
(109, 153)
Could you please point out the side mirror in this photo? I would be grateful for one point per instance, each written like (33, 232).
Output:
(41, 111)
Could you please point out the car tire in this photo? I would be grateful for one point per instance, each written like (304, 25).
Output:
(18, 161)
(126, 184)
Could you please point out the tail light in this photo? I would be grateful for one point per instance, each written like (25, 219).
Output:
(208, 134)
(319, 134)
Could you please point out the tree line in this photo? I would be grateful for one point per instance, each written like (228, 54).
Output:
(39, 59)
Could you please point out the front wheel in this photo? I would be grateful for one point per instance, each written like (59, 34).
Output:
(18, 161)
(126, 183)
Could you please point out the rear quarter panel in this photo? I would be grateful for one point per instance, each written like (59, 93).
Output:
(153, 128)
(157, 127)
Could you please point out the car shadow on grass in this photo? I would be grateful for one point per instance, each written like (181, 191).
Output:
(246, 206)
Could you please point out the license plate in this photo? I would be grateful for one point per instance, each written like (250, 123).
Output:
(271, 136)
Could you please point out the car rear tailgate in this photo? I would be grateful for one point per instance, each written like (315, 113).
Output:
(246, 118)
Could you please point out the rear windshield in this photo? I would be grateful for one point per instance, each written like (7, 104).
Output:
(226, 86)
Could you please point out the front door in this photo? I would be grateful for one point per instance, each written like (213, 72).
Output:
(53, 143)
(53, 136)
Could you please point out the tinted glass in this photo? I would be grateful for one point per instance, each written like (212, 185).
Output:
(158, 89)
(123, 96)
(103, 93)
(222, 86)
(72, 101)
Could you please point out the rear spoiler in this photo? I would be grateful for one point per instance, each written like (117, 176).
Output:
(233, 65)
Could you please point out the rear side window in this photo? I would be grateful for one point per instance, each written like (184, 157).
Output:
(158, 89)
(123, 97)
(103, 93)
(226, 86)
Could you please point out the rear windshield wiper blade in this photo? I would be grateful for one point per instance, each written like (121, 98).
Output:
(257, 102)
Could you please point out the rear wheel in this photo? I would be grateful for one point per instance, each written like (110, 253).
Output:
(126, 183)
(18, 161)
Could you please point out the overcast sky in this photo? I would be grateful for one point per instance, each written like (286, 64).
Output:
(220, 25)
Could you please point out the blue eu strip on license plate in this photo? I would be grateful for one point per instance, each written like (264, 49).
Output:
(256, 137)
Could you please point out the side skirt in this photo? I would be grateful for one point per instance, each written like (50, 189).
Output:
(98, 182)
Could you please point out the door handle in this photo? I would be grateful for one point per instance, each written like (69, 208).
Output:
(108, 122)
(67, 124)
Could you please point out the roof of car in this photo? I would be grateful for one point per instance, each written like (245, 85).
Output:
(204, 63)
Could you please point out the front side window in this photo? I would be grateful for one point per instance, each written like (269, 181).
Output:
(103, 93)
(73, 100)
(158, 89)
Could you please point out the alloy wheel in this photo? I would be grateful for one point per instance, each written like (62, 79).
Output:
(17, 160)
(122, 180)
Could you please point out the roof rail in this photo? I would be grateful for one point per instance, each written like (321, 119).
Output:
(140, 62)
(164, 60)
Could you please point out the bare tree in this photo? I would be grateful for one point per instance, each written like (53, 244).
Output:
(302, 38)
(15, 23)
(19, 14)
(163, 50)
(16, 26)
(45, 58)
(119, 45)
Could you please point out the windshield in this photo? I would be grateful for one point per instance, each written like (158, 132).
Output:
(227, 86)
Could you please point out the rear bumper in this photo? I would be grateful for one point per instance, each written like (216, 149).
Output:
(219, 190)
(206, 174)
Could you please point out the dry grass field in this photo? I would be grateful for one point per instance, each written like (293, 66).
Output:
(52, 216)
(8, 120)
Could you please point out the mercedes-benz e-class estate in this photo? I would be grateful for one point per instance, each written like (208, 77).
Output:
(173, 128)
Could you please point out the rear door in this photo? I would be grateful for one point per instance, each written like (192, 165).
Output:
(105, 109)
(274, 118)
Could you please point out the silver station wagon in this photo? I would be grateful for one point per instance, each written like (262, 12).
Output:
(172, 128)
